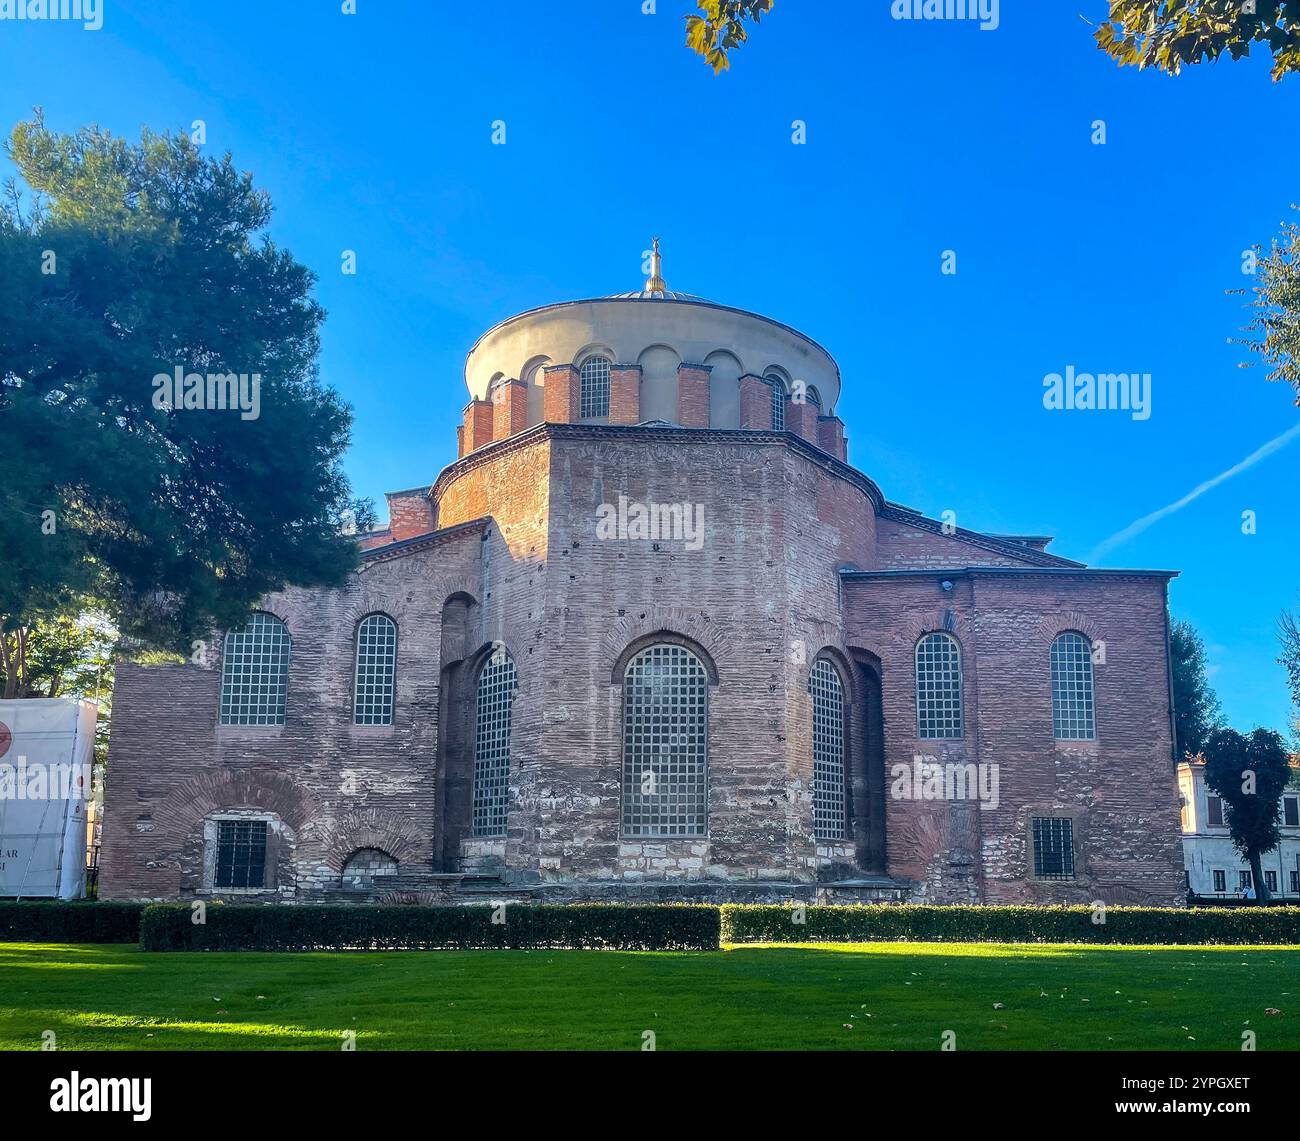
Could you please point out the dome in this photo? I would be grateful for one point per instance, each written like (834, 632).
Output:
(673, 330)
(658, 295)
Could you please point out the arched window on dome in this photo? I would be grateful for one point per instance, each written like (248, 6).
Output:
(255, 672)
(665, 735)
(594, 401)
(814, 397)
(496, 694)
(938, 687)
(778, 402)
(1073, 713)
(372, 698)
(827, 692)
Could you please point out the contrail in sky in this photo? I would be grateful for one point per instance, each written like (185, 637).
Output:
(1134, 529)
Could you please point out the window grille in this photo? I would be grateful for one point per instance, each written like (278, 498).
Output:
(828, 751)
(241, 853)
(372, 702)
(938, 687)
(1220, 880)
(496, 695)
(595, 388)
(1072, 692)
(778, 403)
(1053, 848)
(255, 673)
(665, 727)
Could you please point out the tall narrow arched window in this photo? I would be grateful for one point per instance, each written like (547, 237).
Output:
(595, 388)
(828, 751)
(778, 403)
(372, 702)
(1072, 693)
(255, 672)
(938, 687)
(665, 731)
(496, 695)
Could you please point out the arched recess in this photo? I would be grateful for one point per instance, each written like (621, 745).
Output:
(659, 383)
(724, 390)
(534, 377)
(868, 787)
(455, 764)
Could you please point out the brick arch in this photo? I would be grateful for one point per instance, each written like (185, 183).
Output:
(633, 631)
(1055, 624)
(397, 834)
(189, 803)
(933, 623)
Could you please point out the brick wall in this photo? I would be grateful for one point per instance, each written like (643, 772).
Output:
(758, 596)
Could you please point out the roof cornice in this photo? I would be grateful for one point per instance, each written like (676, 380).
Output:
(424, 542)
(672, 433)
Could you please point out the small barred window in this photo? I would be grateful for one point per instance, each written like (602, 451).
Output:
(255, 672)
(1053, 848)
(595, 388)
(828, 751)
(1072, 694)
(496, 695)
(241, 853)
(665, 729)
(376, 663)
(778, 403)
(938, 687)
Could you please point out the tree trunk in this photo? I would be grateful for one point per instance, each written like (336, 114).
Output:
(1257, 874)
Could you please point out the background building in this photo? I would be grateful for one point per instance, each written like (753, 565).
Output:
(1215, 869)
(652, 635)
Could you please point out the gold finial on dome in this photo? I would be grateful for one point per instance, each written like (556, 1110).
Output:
(655, 282)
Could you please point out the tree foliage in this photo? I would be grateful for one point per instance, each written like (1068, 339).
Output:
(1250, 774)
(1288, 633)
(722, 28)
(1168, 35)
(119, 262)
(1196, 708)
(1274, 330)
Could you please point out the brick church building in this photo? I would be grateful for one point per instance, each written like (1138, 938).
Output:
(652, 636)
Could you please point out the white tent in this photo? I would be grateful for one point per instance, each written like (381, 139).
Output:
(46, 751)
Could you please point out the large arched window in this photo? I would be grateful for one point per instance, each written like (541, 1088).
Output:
(1072, 694)
(665, 731)
(372, 702)
(938, 687)
(496, 695)
(595, 388)
(255, 672)
(778, 403)
(828, 751)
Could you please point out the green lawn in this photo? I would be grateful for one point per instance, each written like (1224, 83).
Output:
(892, 996)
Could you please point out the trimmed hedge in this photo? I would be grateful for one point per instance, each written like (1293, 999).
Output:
(63, 921)
(580, 926)
(863, 923)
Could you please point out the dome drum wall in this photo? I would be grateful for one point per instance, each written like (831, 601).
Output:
(659, 337)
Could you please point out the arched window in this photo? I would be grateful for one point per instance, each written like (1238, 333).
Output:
(1072, 695)
(595, 388)
(496, 694)
(665, 731)
(814, 397)
(828, 750)
(938, 687)
(255, 672)
(372, 702)
(778, 403)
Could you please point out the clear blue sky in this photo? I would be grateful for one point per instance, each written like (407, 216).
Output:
(372, 133)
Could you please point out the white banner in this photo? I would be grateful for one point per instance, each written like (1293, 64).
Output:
(46, 752)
